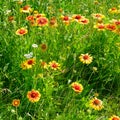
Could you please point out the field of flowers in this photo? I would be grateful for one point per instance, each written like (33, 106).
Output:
(59, 60)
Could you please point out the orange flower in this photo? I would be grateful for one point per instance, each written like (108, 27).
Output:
(54, 65)
(42, 21)
(16, 102)
(114, 117)
(111, 27)
(85, 58)
(66, 19)
(77, 87)
(33, 95)
(21, 31)
(26, 9)
(100, 26)
(96, 104)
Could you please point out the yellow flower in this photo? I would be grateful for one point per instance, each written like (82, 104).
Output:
(77, 87)
(85, 58)
(33, 95)
(96, 104)
(114, 117)
(16, 102)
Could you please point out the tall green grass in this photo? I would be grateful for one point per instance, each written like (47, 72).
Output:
(64, 45)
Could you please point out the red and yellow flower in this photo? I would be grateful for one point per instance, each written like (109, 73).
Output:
(66, 19)
(114, 117)
(41, 21)
(54, 65)
(98, 16)
(100, 26)
(84, 21)
(113, 10)
(30, 18)
(26, 9)
(16, 102)
(28, 64)
(96, 104)
(85, 58)
(77, 17)
(38, 15)
(21, 31)
(111, 27)
(33, 95)
(53, 22)
(78, 88)
(116, 22)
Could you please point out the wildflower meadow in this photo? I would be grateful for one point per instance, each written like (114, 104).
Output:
(59, 60)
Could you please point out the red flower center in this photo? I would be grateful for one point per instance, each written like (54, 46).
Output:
(85, 57)
(43, 46)
(30, 62)
(78, 17)
(66, 18)
(34, 95)
(96, 102)
(115, 118)
(101, 26)
(111, 27)
(84, 21)
(30, 18)
(52, 22)
(54, 65)
(117, 22)
(43, 64)
(38, 16)
(97, 15)
(76, 87)
(25, 7)
(42, 21)
(21, 31)
(113, 9)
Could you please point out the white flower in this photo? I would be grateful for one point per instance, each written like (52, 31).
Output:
(7, 12)
(29, 55)
(34, 45)
(12, 110)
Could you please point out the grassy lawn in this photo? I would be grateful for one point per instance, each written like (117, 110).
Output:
(60, 60)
